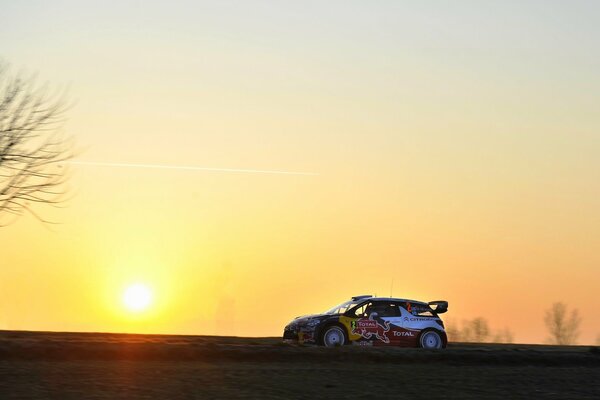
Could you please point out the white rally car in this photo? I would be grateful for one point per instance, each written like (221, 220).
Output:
(374, 321)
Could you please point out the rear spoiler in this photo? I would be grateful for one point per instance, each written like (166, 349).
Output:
(439, 306)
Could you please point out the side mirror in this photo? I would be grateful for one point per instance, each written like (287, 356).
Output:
(373, 315)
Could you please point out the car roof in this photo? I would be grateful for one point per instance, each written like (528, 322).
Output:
(393, 299)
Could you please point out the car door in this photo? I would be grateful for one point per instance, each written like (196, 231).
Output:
(400, 332)
(362, 327)
(389, 313)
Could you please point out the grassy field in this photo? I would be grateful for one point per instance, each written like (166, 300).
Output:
(42, 365)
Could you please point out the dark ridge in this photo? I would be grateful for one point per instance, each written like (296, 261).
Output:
(60, 346)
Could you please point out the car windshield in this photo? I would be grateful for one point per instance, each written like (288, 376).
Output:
(342, 308)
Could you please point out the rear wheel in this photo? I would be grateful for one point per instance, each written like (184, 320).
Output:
(334, 336)
(431, 340)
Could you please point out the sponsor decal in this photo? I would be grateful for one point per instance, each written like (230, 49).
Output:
(364, 323)
(403, 333)
(367, 328)
(416, 319)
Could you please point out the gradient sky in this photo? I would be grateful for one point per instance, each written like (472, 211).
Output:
(456, 145)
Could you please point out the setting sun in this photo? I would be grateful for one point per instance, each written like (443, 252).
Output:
(137, 297)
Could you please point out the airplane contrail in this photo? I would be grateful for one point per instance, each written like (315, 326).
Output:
(190, 168)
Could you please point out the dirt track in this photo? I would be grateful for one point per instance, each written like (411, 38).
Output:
(112, 366)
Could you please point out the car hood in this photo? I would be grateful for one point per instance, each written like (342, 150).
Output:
(310, 319)
(308, 316)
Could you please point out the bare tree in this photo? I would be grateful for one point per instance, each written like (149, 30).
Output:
(562, 326)
(30, 147)
(476, 330)
(479, 330)
(504, 336)
(453, 331)
(466, 332)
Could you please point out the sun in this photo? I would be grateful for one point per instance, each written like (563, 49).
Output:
(137, 297)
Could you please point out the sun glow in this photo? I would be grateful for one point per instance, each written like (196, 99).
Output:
(137, 297)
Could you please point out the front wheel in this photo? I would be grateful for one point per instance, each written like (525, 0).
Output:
(334, 336)
(431, 340)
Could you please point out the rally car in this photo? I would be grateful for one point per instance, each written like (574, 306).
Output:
(373, 321)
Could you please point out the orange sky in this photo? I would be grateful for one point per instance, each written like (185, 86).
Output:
(456, 152)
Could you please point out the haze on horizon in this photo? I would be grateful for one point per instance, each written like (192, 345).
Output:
(455, 147)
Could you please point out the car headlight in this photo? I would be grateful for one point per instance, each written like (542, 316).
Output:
(291, 327)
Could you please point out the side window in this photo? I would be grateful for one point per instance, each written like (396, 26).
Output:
(420, 310)
(407, 307)
(386, 309)
(363, 310)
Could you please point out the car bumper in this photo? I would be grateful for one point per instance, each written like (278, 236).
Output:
(290, 335)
